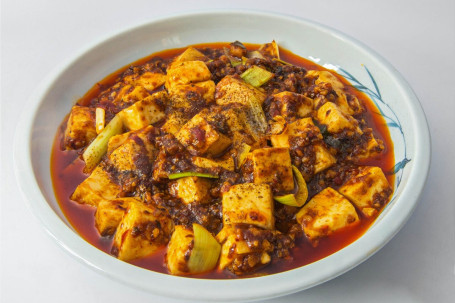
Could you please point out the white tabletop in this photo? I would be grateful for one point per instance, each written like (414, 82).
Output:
(417, 37)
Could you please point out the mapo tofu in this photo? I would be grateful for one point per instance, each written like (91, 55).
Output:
(222, 160)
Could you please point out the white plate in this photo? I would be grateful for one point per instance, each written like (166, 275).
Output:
(55, 96)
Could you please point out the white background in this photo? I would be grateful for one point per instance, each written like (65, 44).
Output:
(417, 37)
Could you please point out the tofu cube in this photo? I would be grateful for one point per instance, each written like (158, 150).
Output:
(96, 188)
(292, 104)
(348, 104)
(234, 90)
(336, 121)
(189, 95)
(372, 148)
(273, 166)
(174, 123)
(249, 203)
(325, 77)
(235, 247)
(80, 129)
(145, 112)
(148, 80)
(129, 95)
(190, 54)
(187, 72)
(303, 128)
(325, 213)
(142, 231)
(324, 159)
(108, 215)
(201, 138)
(177, 252)
(135, 152)
(116, 141)
(191, 189)
(368, 190)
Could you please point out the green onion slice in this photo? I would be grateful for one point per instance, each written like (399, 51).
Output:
(206, 251)
(191, 174)
(256, 76)
(96, 150)
(300, 197)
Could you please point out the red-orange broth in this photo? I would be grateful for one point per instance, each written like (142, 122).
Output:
(66, 172)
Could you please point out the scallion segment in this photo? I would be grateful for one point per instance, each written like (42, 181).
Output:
(256, 76)
(191, 174)
(96, 150)
(205, 252)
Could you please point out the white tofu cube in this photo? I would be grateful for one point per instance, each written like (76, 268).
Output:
(145, 112)
(325, 213)
(201, 138)
(186, 73)
(96, 188)
(180, 245)
(234, 90)
(292, 104)
(191, 189)
(303, 128)
(249, 203)
(368, 190)
(80, 128)
(273, 166)
(142, 231)
(336, 121)
(109, 213)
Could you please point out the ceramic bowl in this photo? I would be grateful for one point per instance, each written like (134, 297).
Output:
(363, 67)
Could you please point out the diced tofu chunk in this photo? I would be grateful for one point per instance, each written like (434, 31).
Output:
(186, 73)
(177, 252)
(325, 77)
(242, 125)
(80, 129)
(292, 104)
(336, 121)
(273, 166)
(324, 159)
(302, 128)
(116, 141)
(142, 231)
(348, 104)
(201, 138)
(372, 148)
(227, 163)
(174, 123)
(235, 249)
(109, 213)
(135, 152)
(96, 188)
(369, 189)
(145, 112)
(249, 203)
(191, 189)
(129, 94)
(325, 213)
(234, 90)
(188, 95)
(148, 80)
(190, 54)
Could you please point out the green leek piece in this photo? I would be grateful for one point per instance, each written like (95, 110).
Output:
(302, 193)
(288, 199)
(256, 76)
(96, 150)
(300, 197)
(206, 251)
(243, 151)
(191, 174)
